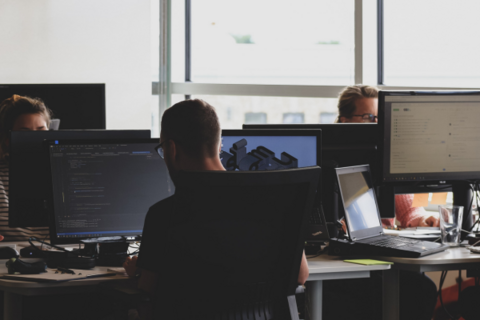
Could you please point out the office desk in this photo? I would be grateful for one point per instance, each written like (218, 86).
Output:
(327, 267)
(15, 290)
(451, 259)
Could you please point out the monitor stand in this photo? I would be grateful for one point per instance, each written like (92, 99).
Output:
(109, 251)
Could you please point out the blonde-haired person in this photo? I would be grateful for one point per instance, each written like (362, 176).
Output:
(359, 104)
(18, 113)
(418, 293)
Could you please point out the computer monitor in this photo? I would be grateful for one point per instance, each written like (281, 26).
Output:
(104, 188)
(28, 173)
(248, 150)
(78, 106)
(343, 145)
(430, 135)
(251, 150)
(431, 138)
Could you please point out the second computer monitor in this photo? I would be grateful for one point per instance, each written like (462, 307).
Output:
(29, 180)
(430, 136)
(104, 188)
(247, 150)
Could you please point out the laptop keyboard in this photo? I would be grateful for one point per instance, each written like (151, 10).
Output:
(391, 242)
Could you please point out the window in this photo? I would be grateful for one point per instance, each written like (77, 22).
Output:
(233, 110)
(255, 117)
(293, 117)
(270, 41)
(432, 43)
(328, 117)
(281, 57)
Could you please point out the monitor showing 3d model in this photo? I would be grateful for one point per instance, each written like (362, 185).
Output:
(253, 150)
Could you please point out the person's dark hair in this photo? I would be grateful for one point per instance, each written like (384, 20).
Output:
(194, 125)
(11, 109)
(348, 96)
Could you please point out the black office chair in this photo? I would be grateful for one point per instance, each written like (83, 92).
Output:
(236, 245)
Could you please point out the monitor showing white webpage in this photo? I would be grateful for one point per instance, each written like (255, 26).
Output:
(432, 135)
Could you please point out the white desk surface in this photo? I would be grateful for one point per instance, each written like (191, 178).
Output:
(31, 288)
(449, 256)
(327, 267)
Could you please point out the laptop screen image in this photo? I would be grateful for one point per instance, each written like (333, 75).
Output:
(359, 201)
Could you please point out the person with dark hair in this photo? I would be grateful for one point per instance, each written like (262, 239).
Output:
(18, 113)
(190, 139)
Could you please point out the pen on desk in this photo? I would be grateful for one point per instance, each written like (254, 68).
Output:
(65, 270)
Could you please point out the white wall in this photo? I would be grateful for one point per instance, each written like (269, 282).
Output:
(82, 41)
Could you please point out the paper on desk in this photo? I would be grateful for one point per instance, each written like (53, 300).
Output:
(439, 198)
(413, 231)
(51, 276)
(368, 262)
(420, 200)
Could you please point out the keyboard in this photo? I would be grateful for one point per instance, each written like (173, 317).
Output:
(392, 242)
(394, 246)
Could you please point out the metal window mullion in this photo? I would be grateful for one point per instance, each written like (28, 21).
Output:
(223, 89)
(188, 43)
(358, 25)
(164, 84)
(380, 43)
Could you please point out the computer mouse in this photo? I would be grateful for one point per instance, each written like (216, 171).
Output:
(8, 252)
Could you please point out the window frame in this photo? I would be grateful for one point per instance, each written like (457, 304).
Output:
(361, 56)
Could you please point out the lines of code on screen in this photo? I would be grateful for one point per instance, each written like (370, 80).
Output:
(106, 189)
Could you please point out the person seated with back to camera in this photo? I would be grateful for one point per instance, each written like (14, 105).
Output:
(189, 140)
(18, 113)
(418, 293)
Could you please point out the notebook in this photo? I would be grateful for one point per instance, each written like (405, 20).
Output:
(364, 223)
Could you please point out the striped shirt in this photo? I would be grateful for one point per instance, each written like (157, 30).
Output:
(14, 234)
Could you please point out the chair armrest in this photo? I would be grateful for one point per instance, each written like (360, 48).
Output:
(300, 289)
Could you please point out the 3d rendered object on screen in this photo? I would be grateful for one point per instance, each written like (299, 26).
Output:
(260, 158)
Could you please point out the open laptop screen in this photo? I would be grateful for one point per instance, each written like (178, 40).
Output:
(361, 210)
(359, 201)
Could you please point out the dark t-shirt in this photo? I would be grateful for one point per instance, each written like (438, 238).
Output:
(154, 248)
(197, 247)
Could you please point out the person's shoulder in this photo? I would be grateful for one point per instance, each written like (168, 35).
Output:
(162, 206)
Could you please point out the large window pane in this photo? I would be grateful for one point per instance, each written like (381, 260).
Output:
(270, 42)
(432, 43)
(234, 111)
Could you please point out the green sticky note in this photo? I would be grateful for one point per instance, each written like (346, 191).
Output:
(368, 262)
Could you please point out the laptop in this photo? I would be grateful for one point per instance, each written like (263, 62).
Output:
(364, 223)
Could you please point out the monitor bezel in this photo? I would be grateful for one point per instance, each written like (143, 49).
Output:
(51, 212)
(384, 143)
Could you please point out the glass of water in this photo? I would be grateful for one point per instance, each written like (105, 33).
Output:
(450, 224)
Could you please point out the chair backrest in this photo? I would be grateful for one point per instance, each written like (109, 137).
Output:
(237, 241)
